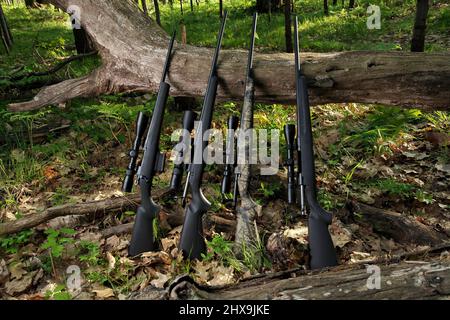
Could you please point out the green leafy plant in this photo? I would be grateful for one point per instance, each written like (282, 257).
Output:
(424, 197)
(89, 252)
(219, 248)
(12, 244)
(395, 188)
(57, 240)
(269, 190)
(58, 293)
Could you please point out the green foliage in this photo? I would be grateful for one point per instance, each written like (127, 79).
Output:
(60, 196)
(325, 200)
(424, 197)
(89, 252)
(221, 249)
(11, 244)
(269, 190)
(342, 29)
(439, 119)
(253, 257)
(120, 278)
(58, 293)
(378, 129)
(395, 188)
(57, 240)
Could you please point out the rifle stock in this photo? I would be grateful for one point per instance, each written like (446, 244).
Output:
(192, 242)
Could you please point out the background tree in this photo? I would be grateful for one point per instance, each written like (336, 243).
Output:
(144, 6)
(5, 32)
(325, 7)
(157, 12)
(265, 6)
(420, 26)
(288, 26)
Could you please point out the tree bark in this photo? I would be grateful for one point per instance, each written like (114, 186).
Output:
(144, 7)
(266, 6)
(420, 26)
(133, 61)
(325, 7)
(157, 12)
(5, 32)
(83, 43)
(396, 226)
(288, 26)
(406, 280)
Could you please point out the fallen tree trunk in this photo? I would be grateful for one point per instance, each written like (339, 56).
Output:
(99, 208)
(406, 280)
(134, 57)
(396, 226)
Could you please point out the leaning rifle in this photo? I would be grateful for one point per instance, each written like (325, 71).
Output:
(322, 250)
(152, 163)
(192, 242)
(248, 208)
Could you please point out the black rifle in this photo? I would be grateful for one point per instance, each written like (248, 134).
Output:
(152, 163)
(192, 242)
(322, 250)
(181, 164)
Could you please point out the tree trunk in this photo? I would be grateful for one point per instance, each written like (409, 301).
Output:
(351, 4)
(133, 62)
(157, 12)
(288, 26)
(4, 31)
(397, 226)
(405, 280)
(266, 6)
(83, 43)
(144, 7)
(325, 7)
(221, 9)
(420, 26)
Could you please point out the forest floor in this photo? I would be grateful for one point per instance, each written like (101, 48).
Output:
(389, 158)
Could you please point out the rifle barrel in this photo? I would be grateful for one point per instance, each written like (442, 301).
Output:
(168, 58)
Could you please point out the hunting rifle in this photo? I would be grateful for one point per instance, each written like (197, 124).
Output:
(152, 163)
(247, 210)
(303, 182)
(192, 242)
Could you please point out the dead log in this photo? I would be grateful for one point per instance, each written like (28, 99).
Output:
(396, 226)
(405, 280)
(133, 60)
(90, 208)
(98, 209)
